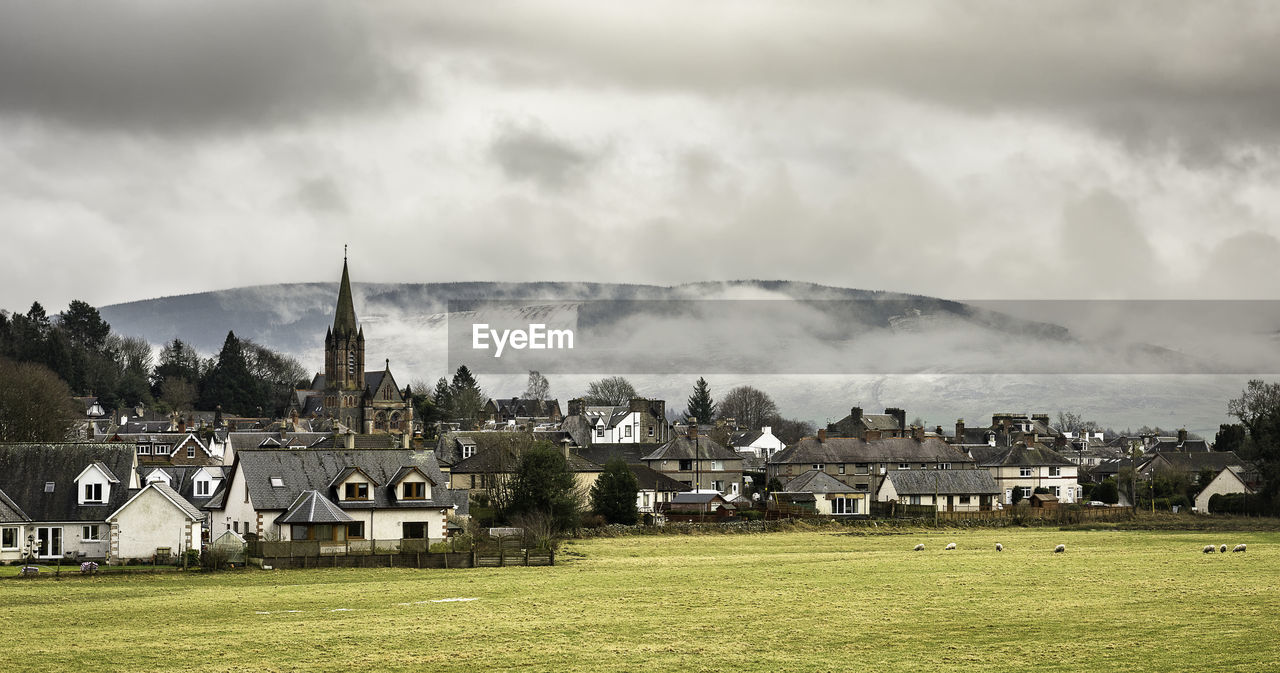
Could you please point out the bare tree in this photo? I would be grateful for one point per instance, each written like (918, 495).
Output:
(613, 390)
(748, 407)
(35, 405)
(539, 388)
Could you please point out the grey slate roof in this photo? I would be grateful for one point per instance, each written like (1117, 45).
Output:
(1196, 461)
(851, 450)
(600, 454)
(816, 481)
(315, 469)
(745, 438)
(182, 480)
(253, 440)
(10, 512)
(1022, 454)
(313, 507)
(683, 448)
(700, 498)
(25, 468)
(948, 482)
(648, 479)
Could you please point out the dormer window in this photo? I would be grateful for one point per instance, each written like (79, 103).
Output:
(93, 492)
(144, 449)
(413, 490)
(468, 450)
(202, 488)
(357, 491)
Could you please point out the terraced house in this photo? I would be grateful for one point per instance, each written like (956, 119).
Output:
(864, 464)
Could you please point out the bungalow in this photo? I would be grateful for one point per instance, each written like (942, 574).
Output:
(861, 463)
(1231, 479)
(949, 490)
(58, 497)
(154, 518)
(388, 494)
(826, 494)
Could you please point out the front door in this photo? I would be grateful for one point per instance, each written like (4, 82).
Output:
(48, 542)
(951, 503)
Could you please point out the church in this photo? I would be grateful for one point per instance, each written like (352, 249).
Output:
(360, 401)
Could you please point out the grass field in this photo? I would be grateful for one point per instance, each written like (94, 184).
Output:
(1115, 601)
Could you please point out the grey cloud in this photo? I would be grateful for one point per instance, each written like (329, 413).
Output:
(182, 66)
(1199, 76)
(528, 154)
(321, 195)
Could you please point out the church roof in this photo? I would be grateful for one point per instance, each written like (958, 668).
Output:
(344, 317)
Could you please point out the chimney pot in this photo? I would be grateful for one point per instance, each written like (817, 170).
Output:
(822, 435)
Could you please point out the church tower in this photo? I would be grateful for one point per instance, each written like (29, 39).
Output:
(344, 346)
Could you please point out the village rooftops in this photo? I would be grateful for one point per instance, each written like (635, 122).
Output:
(683, 448)
(943, 482)
(812, 450)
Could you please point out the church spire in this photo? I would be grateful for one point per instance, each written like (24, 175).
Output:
(344, 318)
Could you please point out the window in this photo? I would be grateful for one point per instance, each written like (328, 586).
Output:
(650, 430)
(844, 506)
(415, 530)
(191, 451)
(277, 482)
(468, 450)
(9, 537)
(924, 466)
(299, 532)
(161, 450)
(717, 484)
(904, 466)
(355, 530)
(246, 528)
(357, 491)
(1057, 491)
(914, 499)
(1055, 471)
(627, 431)
(686, 465)
(944, 466)
(862, 468)
(645, 500)
(202, 487)
(235, 526)
(473, 481)
(48, 487)
(89, 533)
(93, 492)
(144, 449)
(717, 465)
(351, 363)
(861, 486)
(840, 469)
(599, 433)
(964, 500)
(1026, 492)
(412, 490)
(819, 466)
(1024, 472)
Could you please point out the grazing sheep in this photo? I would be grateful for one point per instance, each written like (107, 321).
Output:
(1059, 549)
(951, 545)
(999, 547)
(1210, 549)
(1223, 550)
(920, 547)
(1239, 547)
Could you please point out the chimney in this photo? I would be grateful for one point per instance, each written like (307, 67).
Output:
(575, 407)
(1059, 441)
(404, 441)
(1182, 436)
(564, 447)
(349, 440)
(639, 405)
(822, 435)
(901, 416)
(959, 430)
(917, 433)
(766, 430)
(855, 418)
(692, 431)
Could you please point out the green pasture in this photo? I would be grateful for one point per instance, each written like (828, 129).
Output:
(800, 601)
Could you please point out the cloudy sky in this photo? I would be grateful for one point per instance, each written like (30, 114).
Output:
(965, 150)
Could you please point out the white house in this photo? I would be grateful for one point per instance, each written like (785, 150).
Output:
(155, 517)
(761, 443)
(1230, 480)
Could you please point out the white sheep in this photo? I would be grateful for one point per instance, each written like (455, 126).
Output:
(1209, 549)
(951, 545)
(999, 547)
(1223, 550)
(920, 547)
(1059, 549)
(1239, 547)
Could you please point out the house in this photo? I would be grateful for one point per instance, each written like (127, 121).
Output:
(759, 443)
(640, 421)
(195, 484)
(495, 462)
(863, 464)
(168, 448)
(1029, 464)
(224, 443)
(521, 411)
(699, 463)
(949, 490)
(857, 425)
(1232, 479)
(154, 518)
(654, 489)
(825, 494)
(389, 494)
(57, 497)
(1190, 464)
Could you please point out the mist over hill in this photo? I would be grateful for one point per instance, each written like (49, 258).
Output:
(818, 350)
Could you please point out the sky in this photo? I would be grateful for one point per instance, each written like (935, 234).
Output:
(969, 150)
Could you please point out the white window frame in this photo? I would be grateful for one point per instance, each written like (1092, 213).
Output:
(161, 450)
(468, 450)
(1026, 492)
(627, 431)
(904, 466)
(191, 451)
(202, 487)
(1057, 491)
(90, 533)
(93, 493)
(944, 466)
(599, 433)
(819, 466)
(17, 539)
(840, 468)
(1055, 471)
(1026, 472)
(844, 506)
(144, 449)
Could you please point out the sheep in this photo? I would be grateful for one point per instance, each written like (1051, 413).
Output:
(951, 545)
(1209, 549)
(1223, 550)
(1239, 548)
(920, 547)
(999, 547)
(1059, 549)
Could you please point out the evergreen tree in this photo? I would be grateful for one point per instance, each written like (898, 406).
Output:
(701, 407)
(542, 485)
(442, 398)
(466, 398)
(84, 326)
(230, 383)
(613, 495)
